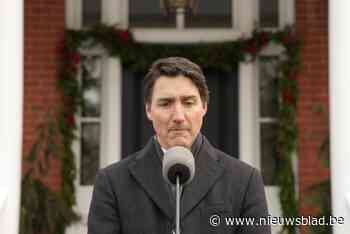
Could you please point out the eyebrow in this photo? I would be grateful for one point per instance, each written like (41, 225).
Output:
(166, 99)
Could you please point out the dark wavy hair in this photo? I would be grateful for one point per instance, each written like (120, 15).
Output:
(173, 67)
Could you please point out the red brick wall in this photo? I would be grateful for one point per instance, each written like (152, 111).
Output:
(312, 27)
(43, 32)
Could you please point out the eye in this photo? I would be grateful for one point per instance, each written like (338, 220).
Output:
(164, 104)
(189, 103)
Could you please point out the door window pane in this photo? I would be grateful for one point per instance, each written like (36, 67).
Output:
(91, 12)
(91, 84)
(268, 13)
(90, 150)
(268, 103)
(268, 153)
(150, 13)
(209, 14)
(268, 89)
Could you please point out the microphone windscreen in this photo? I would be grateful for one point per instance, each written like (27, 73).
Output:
(178, 161)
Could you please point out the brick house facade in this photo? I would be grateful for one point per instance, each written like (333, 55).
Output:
(44, 31)
(44, 23)
(313, 106)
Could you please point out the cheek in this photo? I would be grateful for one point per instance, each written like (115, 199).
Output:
(198, 119)
(198, 115)
(159, 124)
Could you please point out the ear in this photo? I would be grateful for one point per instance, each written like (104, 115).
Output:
(148, 111)
(205, 108)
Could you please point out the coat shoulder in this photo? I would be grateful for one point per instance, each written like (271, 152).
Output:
(232, 165)
(119, 169)
(235, 167)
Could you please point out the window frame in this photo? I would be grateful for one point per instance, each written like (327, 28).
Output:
(189, 35)
(249, 116)
(77, 145)
(270, 51)
(181, 21)
(110, 125)
(244, 15)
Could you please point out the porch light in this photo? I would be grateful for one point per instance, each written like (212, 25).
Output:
(179, 7)
(173, 5)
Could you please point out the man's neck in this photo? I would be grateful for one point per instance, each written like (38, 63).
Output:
(194, 147)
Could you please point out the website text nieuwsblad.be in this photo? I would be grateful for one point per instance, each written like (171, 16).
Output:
(216, 220)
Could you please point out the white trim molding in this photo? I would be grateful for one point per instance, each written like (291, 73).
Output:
(339, 90)
(73, 14)
(111, 12)
(111, 112)
(247, 115)
(11, 117)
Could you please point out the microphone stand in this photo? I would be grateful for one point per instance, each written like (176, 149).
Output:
(178, 186)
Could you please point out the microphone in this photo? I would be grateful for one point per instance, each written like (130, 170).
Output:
(178, 169)
(178, 161)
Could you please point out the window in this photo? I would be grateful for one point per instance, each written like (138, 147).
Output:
(210, 14)
(196, 14)
(91, 12)
(274, 14)
(268, 117)
(150, 14)
(90, 123)
(268, 14)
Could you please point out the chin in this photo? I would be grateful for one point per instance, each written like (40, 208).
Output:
(180, 143)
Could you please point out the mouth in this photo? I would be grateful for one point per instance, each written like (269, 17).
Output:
(178, 130)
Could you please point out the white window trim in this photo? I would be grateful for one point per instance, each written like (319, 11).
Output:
(73, 14)
(245, 17)
(249, 136)
(189, 35)
(250, 121)
(110, 134)
(236, 4)
(111, 137)
(248, 126)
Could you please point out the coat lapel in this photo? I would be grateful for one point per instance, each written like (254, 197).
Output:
(208, 171)
(147, 170)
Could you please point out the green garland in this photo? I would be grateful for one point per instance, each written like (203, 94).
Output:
(43, 210)
(319, 195)
(220, 56)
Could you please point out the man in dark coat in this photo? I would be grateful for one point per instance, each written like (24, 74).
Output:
(131, 196)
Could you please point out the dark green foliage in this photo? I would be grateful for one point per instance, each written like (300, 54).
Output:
(43, 210)
(320, 194)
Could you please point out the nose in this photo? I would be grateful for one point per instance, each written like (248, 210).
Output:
(178, 114)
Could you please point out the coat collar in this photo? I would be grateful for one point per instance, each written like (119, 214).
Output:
(208, 171)
(147, 170)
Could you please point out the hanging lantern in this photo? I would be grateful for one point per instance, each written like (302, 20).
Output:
(172, 5)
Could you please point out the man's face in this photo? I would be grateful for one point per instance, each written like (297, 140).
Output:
(176, 111)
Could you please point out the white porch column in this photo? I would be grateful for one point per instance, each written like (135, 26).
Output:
(112, 13)
(339, 52)
(11, 94)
